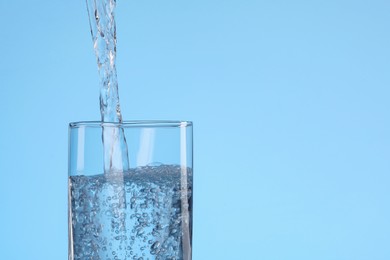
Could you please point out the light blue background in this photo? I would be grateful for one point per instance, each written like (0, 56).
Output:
(290, 103)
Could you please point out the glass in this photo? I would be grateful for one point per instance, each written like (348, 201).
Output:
(143, 213)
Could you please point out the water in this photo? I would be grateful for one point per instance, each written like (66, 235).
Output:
(103, 31)
(125, 213)
(143, 214)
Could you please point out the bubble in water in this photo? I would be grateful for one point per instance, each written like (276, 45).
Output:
(102, 225)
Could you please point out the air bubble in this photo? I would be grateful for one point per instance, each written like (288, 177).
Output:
(101, 227)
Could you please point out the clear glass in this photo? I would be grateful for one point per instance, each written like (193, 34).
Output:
(143, 213)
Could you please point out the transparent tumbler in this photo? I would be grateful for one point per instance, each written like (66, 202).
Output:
(143, 212)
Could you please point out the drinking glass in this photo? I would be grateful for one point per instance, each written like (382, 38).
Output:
(143, 212)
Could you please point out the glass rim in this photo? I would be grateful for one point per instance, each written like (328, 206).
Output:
(131, 124)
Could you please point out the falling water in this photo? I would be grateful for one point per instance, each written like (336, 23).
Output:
(103, 31)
